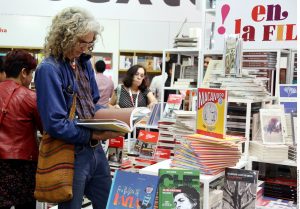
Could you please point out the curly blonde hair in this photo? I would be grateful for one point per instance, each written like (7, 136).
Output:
(67, 27)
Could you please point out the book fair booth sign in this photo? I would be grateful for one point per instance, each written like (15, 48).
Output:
(261, 24)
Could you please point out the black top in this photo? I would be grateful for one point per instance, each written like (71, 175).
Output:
(125, 99)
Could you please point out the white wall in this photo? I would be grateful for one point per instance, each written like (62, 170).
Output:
(131, 26)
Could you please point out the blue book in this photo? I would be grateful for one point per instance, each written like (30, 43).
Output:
(288, 91)
(132, 190)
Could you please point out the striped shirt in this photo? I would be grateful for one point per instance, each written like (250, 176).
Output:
(85, 107)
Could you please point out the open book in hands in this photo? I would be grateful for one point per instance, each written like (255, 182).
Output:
(120, 120)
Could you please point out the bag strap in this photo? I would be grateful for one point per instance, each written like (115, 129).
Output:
(73, 107)
(119, 89)
(4, 108)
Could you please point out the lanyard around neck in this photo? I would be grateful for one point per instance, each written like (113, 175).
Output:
(131, 97)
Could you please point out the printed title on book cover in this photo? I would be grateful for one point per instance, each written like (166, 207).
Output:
(211, 112)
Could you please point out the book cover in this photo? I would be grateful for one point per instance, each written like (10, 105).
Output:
(120, 120)
(115, 151)
(211, 112)
(239, 189)
(146, 143)
(179, 189)
(272, 126)
(230, 53)
(132, 190)
(173, 103)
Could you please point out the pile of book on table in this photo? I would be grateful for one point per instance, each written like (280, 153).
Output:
(269, 152)
(208, 154)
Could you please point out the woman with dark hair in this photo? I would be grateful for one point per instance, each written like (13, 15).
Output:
(19, 121)
(187, 198)
(134, 92)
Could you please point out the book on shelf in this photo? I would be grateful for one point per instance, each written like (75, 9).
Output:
(126, 62)
(176, 72)
(179, 188)
(240, 188)
(173, 103)
(132, 190)
(120, 120)
(211, 112)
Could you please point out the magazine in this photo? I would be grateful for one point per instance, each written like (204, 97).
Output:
(132, 190)
(120, 120)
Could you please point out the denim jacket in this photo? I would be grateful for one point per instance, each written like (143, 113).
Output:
(55, 87)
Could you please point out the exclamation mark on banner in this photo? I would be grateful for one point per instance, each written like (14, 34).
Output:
(224, 11)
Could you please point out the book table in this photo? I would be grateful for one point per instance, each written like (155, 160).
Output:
(204, 179)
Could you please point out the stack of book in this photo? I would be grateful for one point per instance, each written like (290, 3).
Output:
(274, 203)
(207, 154)
(248, 87)
(260, 64)
(292, 153)
(282, 188)
(185, 42)
(185, 122)
(269, 152)
(236, 119)
(166, 139)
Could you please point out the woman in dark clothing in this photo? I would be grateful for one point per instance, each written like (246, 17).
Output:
(134, 92)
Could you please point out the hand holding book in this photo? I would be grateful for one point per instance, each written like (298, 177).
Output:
(118, 120)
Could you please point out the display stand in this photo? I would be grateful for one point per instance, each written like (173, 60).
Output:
(204, 179)
(249, 103)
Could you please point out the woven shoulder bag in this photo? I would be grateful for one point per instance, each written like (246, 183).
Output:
(55, 169)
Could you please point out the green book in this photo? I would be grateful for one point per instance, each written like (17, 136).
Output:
(179, 189)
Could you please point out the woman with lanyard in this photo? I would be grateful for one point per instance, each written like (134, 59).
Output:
(134, 92)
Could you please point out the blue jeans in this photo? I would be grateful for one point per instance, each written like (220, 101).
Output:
(91, 178)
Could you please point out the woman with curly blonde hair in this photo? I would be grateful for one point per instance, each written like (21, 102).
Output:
(66, 71)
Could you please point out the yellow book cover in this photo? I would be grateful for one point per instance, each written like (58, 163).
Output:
(211, 112)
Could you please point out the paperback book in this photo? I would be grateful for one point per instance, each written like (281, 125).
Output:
(212, 111)
(132, 190)
(239, 189)
(173, 103)
(146, 143)
(179, 189)
(120, 120)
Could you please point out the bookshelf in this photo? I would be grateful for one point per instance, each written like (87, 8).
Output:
(292, 77)
(151, 60)
(272, 71)
(36, 52)
(186, 68)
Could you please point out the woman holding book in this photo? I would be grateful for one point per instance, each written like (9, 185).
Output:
(65, 74)
(134, 92)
